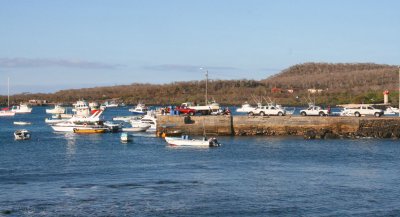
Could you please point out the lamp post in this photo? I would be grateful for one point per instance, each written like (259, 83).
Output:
(206, 97)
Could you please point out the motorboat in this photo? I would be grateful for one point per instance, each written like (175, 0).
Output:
(391, 110)
(108, 104)
(58, 109)
(75, 122)
(22, 123)
(22, 108)
(184, 140)
(22, 135)
(139, 109)
(90, 130)
(126, 118)
(137, 128)
(149, 118)
(246, 108)
(125, 137)
(55, 120)
(81, 109)
(113, 127)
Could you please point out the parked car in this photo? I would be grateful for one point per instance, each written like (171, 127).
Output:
(362, 110)
(315, 111)
(185, 110)
(268, 110)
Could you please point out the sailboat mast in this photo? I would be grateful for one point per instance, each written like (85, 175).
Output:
(206, 87)
(8, 92)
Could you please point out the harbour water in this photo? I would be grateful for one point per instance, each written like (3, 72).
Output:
(59, 174)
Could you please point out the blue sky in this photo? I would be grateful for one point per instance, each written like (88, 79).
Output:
(50, 45)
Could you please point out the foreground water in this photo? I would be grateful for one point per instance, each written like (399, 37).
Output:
(56, 174)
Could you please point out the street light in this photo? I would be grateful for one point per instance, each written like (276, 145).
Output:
(206, 86)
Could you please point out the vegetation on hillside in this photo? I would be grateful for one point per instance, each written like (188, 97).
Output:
(336, 84)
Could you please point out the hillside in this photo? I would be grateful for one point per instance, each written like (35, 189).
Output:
(336, 84)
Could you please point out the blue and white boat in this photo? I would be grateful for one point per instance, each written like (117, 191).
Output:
(140, 109)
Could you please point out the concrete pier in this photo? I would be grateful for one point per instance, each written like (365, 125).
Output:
(309, 127)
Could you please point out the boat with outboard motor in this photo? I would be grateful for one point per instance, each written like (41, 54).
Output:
(125, 137)
(22, 134)
(186, 141)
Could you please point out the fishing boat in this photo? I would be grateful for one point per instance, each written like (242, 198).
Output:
(58, 109)
(22, 123)
(139, 109)
(186, 141)
(23, 108)
(22, 135)
(125, 137)
(90, 130)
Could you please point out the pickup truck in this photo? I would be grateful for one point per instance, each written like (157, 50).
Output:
(185, 110)
(362, 110)
(314, 110)
(268, 110)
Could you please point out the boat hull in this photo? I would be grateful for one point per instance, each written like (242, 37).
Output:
(84, 130)
(176, 141)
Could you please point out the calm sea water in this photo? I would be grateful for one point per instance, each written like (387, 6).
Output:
(58, 174)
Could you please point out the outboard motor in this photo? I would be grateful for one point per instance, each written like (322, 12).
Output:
(213, 142)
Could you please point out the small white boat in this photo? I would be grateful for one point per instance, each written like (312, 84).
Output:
(139, 109)
(22, 123)
(22, 109)
(136, 128)
(186, 141)
(246, 108)
(391, 111)
(149, 118)
(125, 137)
(126, 118)
(108, 104)
(22, 135)
(54, 121)
(113, 127)
(58, 109)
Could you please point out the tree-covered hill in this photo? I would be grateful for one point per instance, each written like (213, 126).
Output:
(334, 84)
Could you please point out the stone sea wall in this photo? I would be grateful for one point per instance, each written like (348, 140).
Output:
(308, 127)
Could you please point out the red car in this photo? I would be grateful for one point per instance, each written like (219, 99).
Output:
(185, 110)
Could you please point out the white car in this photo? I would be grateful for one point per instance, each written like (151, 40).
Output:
(315, 111)
(362, 110)
(268, 110)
